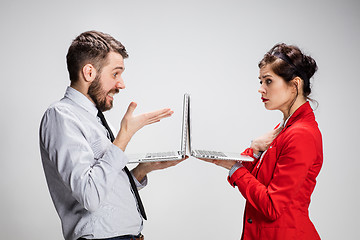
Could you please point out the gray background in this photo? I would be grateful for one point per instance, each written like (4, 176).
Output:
(209, 49)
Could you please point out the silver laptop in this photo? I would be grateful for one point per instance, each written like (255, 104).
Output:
(169, 155)
(206, 154)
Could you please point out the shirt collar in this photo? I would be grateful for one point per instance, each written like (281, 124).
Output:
(299, 113)
(284, 122)
(80, 99)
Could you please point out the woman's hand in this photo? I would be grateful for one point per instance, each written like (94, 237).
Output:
(130, 124)
(263, 142)
(222, 163)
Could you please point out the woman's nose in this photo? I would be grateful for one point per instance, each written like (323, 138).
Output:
(261, 89)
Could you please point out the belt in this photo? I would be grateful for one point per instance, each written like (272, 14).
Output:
(130, 237)
(125, 237)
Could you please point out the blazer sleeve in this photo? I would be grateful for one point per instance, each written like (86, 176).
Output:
(250, 165)
(297, 154)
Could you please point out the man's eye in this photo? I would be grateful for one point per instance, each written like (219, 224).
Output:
(268, 81)
(115, 74)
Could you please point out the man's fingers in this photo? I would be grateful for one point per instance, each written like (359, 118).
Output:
(131, 108)
(159, 113)
(161, 116)
(157, 118)
(153, 121)
(152, 117)
(163, 164)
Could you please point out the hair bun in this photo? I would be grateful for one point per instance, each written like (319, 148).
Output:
(310, 66)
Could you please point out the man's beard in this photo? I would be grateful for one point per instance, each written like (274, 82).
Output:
(98, 95)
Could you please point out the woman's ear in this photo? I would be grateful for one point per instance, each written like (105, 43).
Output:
(89, 72)
(297, 82)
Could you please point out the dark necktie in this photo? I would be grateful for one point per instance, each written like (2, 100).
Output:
(132, 183)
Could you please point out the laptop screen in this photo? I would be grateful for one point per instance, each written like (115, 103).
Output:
(185, 123)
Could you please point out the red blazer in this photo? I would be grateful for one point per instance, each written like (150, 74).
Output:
(278, 187)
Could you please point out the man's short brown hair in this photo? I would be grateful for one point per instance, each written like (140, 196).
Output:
(91, 47)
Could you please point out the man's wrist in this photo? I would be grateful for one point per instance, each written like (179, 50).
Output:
(140, 172)
(122, 140)
(139, 183)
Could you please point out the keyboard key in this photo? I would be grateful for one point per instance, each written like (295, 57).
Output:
(161, 154)
(210, 153)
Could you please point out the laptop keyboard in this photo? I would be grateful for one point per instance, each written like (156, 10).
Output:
(210, 153)
(161, 154)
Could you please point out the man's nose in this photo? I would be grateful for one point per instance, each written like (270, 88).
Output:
(120, 84)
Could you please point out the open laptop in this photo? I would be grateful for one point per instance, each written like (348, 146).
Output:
(170, 155)
(206, 154)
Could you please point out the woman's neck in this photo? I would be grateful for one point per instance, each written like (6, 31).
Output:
(298, 103)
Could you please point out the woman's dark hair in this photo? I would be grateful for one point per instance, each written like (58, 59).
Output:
(91, 47)
(289, 62)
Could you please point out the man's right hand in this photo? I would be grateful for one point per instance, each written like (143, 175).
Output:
(130, 124)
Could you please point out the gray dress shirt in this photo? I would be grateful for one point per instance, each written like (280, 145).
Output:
(84, 172)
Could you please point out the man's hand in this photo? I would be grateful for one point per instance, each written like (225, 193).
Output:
(130, 124)
(142, 169)
(263, 142)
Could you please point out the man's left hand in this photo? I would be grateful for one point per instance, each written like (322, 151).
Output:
(142, 169)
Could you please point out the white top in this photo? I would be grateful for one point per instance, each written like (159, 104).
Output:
(84, 172)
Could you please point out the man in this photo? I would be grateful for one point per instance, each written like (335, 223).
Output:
(93, 192)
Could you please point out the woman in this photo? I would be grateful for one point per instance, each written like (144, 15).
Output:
(278, 185)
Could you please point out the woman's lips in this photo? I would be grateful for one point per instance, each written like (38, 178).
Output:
(264, 99)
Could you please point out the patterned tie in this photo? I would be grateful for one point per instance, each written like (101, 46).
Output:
(132, 183)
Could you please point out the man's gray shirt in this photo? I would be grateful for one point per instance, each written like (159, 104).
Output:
(84, 172)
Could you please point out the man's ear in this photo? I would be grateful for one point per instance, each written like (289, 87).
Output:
(89, 72)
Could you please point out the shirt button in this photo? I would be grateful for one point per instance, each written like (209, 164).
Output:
(249, 220)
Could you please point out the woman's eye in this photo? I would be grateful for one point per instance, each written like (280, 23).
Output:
(260, 82)
(115, 74)
(268, 81)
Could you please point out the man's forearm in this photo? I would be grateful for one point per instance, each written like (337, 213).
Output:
(122, 140)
